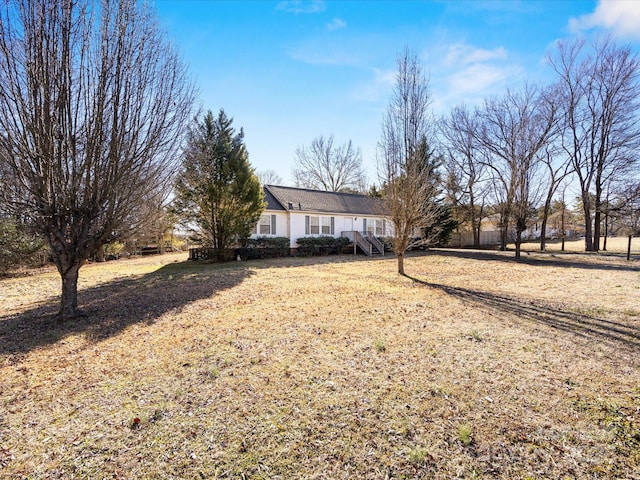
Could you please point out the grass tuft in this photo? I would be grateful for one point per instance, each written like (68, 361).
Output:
(464, 435)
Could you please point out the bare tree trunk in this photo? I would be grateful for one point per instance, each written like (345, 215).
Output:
(400, 263)
(478, 228)
(562, 230)
(69, 300)
(543, 233)
(504, 231)
(588, 232)
(518, 243)
(596, 220)
(545, 217)
(475, 225)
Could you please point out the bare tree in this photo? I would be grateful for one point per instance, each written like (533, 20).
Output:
(467, 187)
(326, 166)
(515, 128)
(601, 95)
(622, 208)
(630, 199)
(558, 167)
(563, 213)
(93, 104)
(269, 177)
(405, 162)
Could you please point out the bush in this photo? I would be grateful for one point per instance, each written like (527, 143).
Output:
(263, 247)
(312, 246)
(19, 247)
(113, 250)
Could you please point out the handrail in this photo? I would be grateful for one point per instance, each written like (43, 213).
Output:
(367, 242)
(363, 243)
(376, 243)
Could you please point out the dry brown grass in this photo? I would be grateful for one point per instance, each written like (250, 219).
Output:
(615, 245)
(476, 367)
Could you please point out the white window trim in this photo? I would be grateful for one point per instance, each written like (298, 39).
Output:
(320, 225)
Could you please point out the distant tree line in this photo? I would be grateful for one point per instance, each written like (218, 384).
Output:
(515, 156)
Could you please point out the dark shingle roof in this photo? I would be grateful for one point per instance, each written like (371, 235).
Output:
(289, 198)
(272, 203)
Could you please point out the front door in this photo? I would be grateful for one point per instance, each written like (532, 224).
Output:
(348, 224)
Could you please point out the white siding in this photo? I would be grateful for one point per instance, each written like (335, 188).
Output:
(297, 227)
(291, 224)
(282, 224)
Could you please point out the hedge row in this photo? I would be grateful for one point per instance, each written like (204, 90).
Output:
(263, 247)
(312, 246)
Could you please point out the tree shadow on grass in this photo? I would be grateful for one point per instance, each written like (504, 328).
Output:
(111, 307)
(580, 324)
(545, 259)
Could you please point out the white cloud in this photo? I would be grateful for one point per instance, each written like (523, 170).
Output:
(622, 17)
(469, 74)
(302, 6)
(378, 88)
(463, 54)
(336, 24)
(476, 78)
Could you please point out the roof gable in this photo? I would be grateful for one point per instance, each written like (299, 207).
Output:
(272, 203)
(300, 199)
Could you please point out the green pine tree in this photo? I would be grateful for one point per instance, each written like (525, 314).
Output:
(218, 195)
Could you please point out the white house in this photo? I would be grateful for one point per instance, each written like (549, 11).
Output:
(297, 212)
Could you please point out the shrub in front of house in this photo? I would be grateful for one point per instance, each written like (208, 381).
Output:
(263, 247)
(313, 246)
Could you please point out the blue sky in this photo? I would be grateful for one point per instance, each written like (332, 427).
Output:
(290, 71)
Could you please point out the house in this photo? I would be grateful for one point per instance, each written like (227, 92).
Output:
(298, 212)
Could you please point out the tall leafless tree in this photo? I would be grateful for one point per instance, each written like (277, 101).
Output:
(93, 104)
(269, 177)
(601, 95)
(558, 167)
(515, 128)
(326, 166)
(466, 184)
(405, 157)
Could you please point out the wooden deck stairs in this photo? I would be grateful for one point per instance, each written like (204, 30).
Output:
(367, 242)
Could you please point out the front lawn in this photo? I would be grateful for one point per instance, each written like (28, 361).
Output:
(335, 367)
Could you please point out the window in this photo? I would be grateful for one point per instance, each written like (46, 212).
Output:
(326, 225)
(380, 228)
(312, 226)
(319, 225)
(267, 225)
(369, 227)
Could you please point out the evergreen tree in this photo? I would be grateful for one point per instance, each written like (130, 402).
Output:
(438, 230)
(218, 194)
(18, 245)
